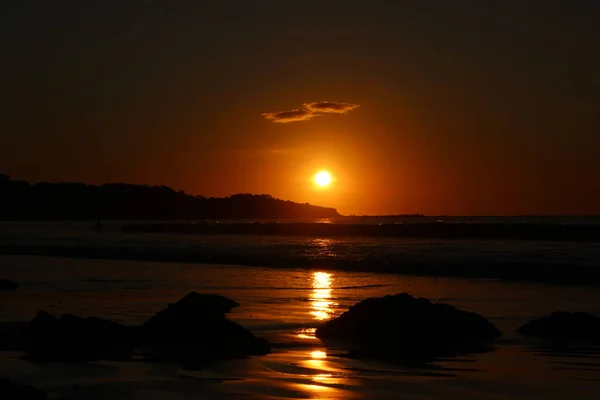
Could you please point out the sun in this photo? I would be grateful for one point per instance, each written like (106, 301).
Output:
(323, 178)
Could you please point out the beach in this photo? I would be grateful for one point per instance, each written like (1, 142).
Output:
(300, 200)
(285, 305)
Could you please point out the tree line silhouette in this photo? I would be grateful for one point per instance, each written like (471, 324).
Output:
(20, 200)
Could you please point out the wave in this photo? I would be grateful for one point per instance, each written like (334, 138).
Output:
(286, 326)
(297, 288)
(361, 287)
(438, 230)
(568, 269)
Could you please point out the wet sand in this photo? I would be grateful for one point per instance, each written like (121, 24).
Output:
(285, 306)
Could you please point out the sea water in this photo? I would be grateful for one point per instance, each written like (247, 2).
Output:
(286, 302)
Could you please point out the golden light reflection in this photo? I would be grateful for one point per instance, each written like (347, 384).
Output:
(318, 354)
(317, 388)
(320, 297)
(323, 378)
(307, 333)
(322, 248)
(317, 363)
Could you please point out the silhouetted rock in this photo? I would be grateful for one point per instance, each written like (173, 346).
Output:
(201, 305)
(564, 325)
(194, 331)
(71, 338)
(11, 390)
(6, 284)
(402, 326)
(11, 335)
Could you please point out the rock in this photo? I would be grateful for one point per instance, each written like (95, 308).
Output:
(6, 284)
(205, 305)
(564, 325)
(10, 390)
(402, 326)
(11, 336)
(194, 330)
(71, 338)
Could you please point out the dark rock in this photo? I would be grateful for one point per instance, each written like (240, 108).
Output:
(6, 284)
(402, 326)
(11, 335)
(564, 325)
(201, 305)
(195, 330)
(71, 338)
(10, 390)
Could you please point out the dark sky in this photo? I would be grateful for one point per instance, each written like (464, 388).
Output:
(465, 106)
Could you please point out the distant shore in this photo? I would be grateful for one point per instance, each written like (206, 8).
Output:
(22, 201)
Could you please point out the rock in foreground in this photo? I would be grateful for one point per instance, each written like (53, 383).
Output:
(194, 330)
(564, 325)
(10, 390)
(210, 306)
(71, 338)
(6, 284)
(402, 326)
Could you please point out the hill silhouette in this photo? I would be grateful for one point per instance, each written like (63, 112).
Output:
(20, 200)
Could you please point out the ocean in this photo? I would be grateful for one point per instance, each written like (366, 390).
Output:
(287, 286)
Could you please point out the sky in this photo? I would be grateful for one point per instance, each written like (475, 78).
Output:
(462, 107)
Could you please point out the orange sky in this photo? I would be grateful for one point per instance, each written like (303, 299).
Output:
(465, 109)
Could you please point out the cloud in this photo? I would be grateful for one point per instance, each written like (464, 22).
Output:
(310, 110)
(300, 114)
(328, 107)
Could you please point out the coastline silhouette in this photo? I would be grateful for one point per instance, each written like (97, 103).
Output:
(20, 200)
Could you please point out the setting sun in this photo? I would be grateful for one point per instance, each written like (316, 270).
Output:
(323, 178)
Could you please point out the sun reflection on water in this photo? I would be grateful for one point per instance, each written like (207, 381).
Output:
(320, 297)
(307, 333)
(318, 354)
(322, 377)
(322, 248)
(317, 360)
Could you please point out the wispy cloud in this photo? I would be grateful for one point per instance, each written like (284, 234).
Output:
(328, 107)
(300, 114)
(310, 110)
